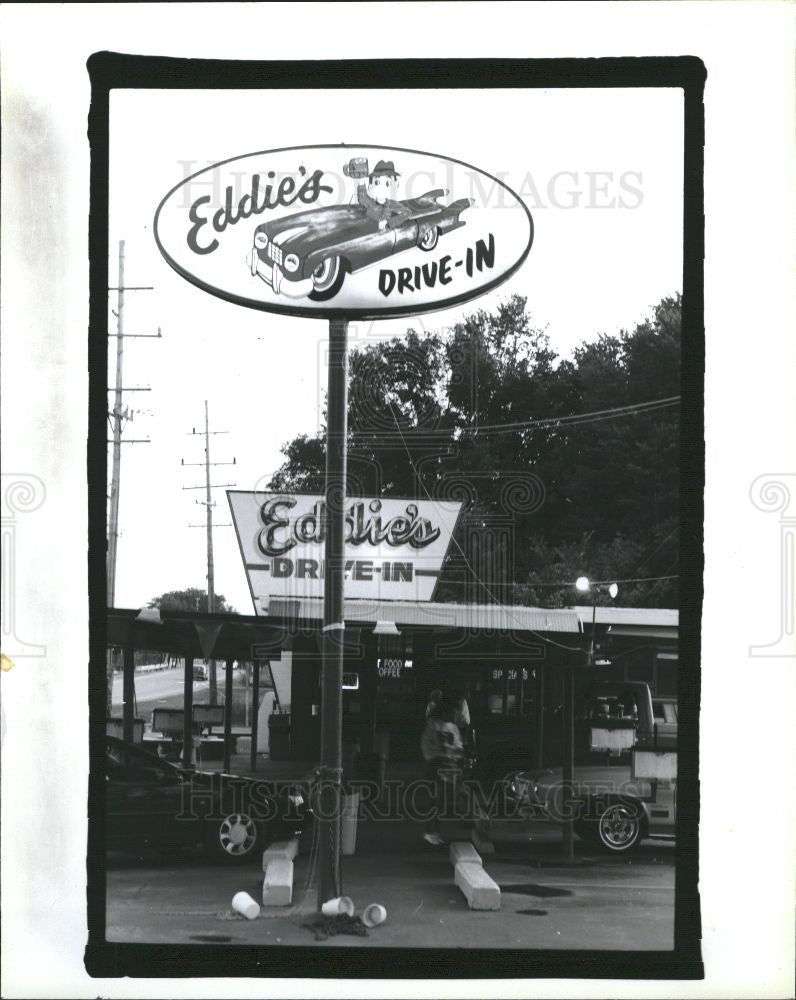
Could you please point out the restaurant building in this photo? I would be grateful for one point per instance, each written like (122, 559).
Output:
(507, 660)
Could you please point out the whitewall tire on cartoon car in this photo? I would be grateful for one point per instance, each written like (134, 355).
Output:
(327, 278)
(428, 239)
(233, 839)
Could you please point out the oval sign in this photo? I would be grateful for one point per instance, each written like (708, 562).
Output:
(340, 230)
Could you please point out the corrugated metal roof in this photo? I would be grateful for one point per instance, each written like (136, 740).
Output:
(477, 616)
(645, 617)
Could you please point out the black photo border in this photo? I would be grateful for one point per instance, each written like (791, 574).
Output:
(110, 71)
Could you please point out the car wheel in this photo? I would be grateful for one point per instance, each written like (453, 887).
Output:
(618, 827)
(429, 239)
(233, 839)
(327, 279)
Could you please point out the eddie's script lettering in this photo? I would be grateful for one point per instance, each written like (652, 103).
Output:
(254, 202)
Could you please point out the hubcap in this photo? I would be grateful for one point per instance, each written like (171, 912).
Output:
(237, 834)
(618, 826)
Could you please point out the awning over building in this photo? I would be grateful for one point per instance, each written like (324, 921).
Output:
(430, 614)
(185, 633)
(243, 637)
(661, 623)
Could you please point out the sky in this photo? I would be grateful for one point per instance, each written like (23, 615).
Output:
(600, 171)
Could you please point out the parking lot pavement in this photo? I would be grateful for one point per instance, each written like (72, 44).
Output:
(592, 902)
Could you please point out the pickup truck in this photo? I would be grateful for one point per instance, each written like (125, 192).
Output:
(625, 774)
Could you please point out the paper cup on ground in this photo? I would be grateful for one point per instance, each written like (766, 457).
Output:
(374, 915)
(247, 907)
(334, 907)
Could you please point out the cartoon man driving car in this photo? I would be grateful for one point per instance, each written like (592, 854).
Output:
(377, 196)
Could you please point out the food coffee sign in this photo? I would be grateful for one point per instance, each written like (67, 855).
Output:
(394, 549)
(351, 231)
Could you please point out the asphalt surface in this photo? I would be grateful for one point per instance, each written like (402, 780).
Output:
(592, 902)
(164, 689)
(156, 689)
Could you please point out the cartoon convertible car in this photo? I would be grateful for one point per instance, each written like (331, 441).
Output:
(311, 252)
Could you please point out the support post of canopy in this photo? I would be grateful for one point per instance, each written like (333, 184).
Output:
(187, 709)
(568, 760)
(255, 713)
(228, 714)
(128, 693)
(538, 757)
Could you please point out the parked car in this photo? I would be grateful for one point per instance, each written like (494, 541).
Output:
(153, 803)
(612, 810)
(310, 253)
(612, 807)
(664, 711)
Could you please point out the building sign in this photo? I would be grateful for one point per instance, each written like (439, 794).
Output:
(512, 672)
(357, 231)
(391, 666)
(394, 549)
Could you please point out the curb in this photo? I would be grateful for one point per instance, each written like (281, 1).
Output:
(480, 891)
(278, 868)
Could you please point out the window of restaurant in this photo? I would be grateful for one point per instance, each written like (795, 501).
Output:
(509, 691)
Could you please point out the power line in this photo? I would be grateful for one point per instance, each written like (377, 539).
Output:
(574, 649)
(570, 420)
(565, 584)
(657, 548)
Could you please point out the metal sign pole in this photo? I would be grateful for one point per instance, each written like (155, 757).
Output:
(333, 612)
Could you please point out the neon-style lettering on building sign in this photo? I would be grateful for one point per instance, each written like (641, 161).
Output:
(281, 533)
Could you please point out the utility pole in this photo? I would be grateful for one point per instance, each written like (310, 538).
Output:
(332, 653)
(113, 526)
(211, 587)
(209, 504)
(118, 418)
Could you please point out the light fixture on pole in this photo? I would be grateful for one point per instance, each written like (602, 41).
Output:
(584, 585)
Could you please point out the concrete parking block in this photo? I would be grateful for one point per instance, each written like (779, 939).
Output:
(461, 850)
(480, 891)
(278, 883)
(284, 849)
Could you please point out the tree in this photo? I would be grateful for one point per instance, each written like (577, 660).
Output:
(190, 599)
(486, 415)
